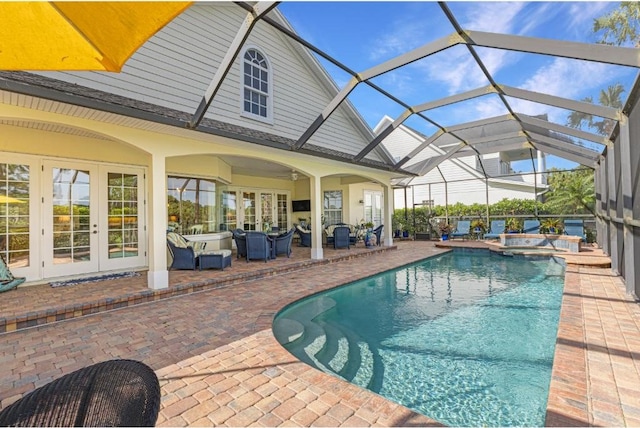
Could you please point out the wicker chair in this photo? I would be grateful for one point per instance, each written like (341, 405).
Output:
(185, 254)
(241, 242)
(113, 393)
(341, 237)
(258, 246)
(283, 243)
(7, 280)
(305, 236)
(378, 232)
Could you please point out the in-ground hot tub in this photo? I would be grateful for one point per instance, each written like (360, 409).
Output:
(560, 242)
(527, 251)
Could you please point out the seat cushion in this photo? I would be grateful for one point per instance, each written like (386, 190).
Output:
(329, 230)
(223, 252)
(177, 240)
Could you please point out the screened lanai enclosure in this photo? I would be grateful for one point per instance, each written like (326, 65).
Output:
(492, 86)
(511, 95)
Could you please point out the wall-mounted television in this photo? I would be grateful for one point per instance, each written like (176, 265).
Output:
(301, 205)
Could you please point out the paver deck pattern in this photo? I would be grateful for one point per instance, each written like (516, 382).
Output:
(219, 364)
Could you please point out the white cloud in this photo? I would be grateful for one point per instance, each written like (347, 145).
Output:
(402, 38)
(541, 14)
(569, 78)
(582, 14)
(494, 17)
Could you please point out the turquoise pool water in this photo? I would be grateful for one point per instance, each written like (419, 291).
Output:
(466, 338)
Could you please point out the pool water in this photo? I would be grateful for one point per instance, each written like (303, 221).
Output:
(465, 338)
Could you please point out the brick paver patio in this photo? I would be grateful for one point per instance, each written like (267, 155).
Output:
(211, 344)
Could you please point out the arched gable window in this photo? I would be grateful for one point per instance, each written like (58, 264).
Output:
(256, 96)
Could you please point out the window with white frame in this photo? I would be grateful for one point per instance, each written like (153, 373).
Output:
(191, 205)
(332, 206)
(256, 97)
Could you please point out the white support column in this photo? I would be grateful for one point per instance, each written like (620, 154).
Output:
(316, 217)
(542, 168)
(388, 215)
(158, 276)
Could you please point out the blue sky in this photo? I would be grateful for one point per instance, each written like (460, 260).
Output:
(363, 34)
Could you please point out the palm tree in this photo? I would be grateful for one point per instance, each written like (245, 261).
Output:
(610, 98)
(572, 192)
(578, 119)
(620, 26)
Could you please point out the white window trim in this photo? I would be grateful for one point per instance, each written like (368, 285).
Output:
(243, 113)
(341, 210)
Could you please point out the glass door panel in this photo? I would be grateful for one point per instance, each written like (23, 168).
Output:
(228, 210)
(71, 215)
(283, 213)
(249, 210)
(14, 215)
(121, 194)
(373, 207)
(266, 211)
(377, 208)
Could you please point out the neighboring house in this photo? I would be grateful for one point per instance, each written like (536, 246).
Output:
(464, 175)
(101, 164)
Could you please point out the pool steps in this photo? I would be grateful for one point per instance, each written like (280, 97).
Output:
(333, 352)
(327, 346)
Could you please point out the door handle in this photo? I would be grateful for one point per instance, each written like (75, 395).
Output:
(95, 231)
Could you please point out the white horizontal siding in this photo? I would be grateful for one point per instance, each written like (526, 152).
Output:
(491, 164)
(400, 143)
(175, 67)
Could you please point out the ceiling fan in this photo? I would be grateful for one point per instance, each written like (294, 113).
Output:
(293, 175)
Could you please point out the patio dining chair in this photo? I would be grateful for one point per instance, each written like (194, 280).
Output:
(7, 280)
(305, 236)
(341, 237)
(241, 242)
(378, 233)
(283, 243)
(258, 246)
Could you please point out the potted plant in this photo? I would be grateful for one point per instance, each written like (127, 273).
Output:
(445, 230)
(398, 231)
(513, 225)
(478, 226)
(551, 225)
(368, 235)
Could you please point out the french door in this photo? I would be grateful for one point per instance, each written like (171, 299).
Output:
(373, 207)
(92, 218)
(249, 211)
(253, 209)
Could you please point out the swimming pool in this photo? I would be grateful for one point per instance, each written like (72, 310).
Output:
(466, 339)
